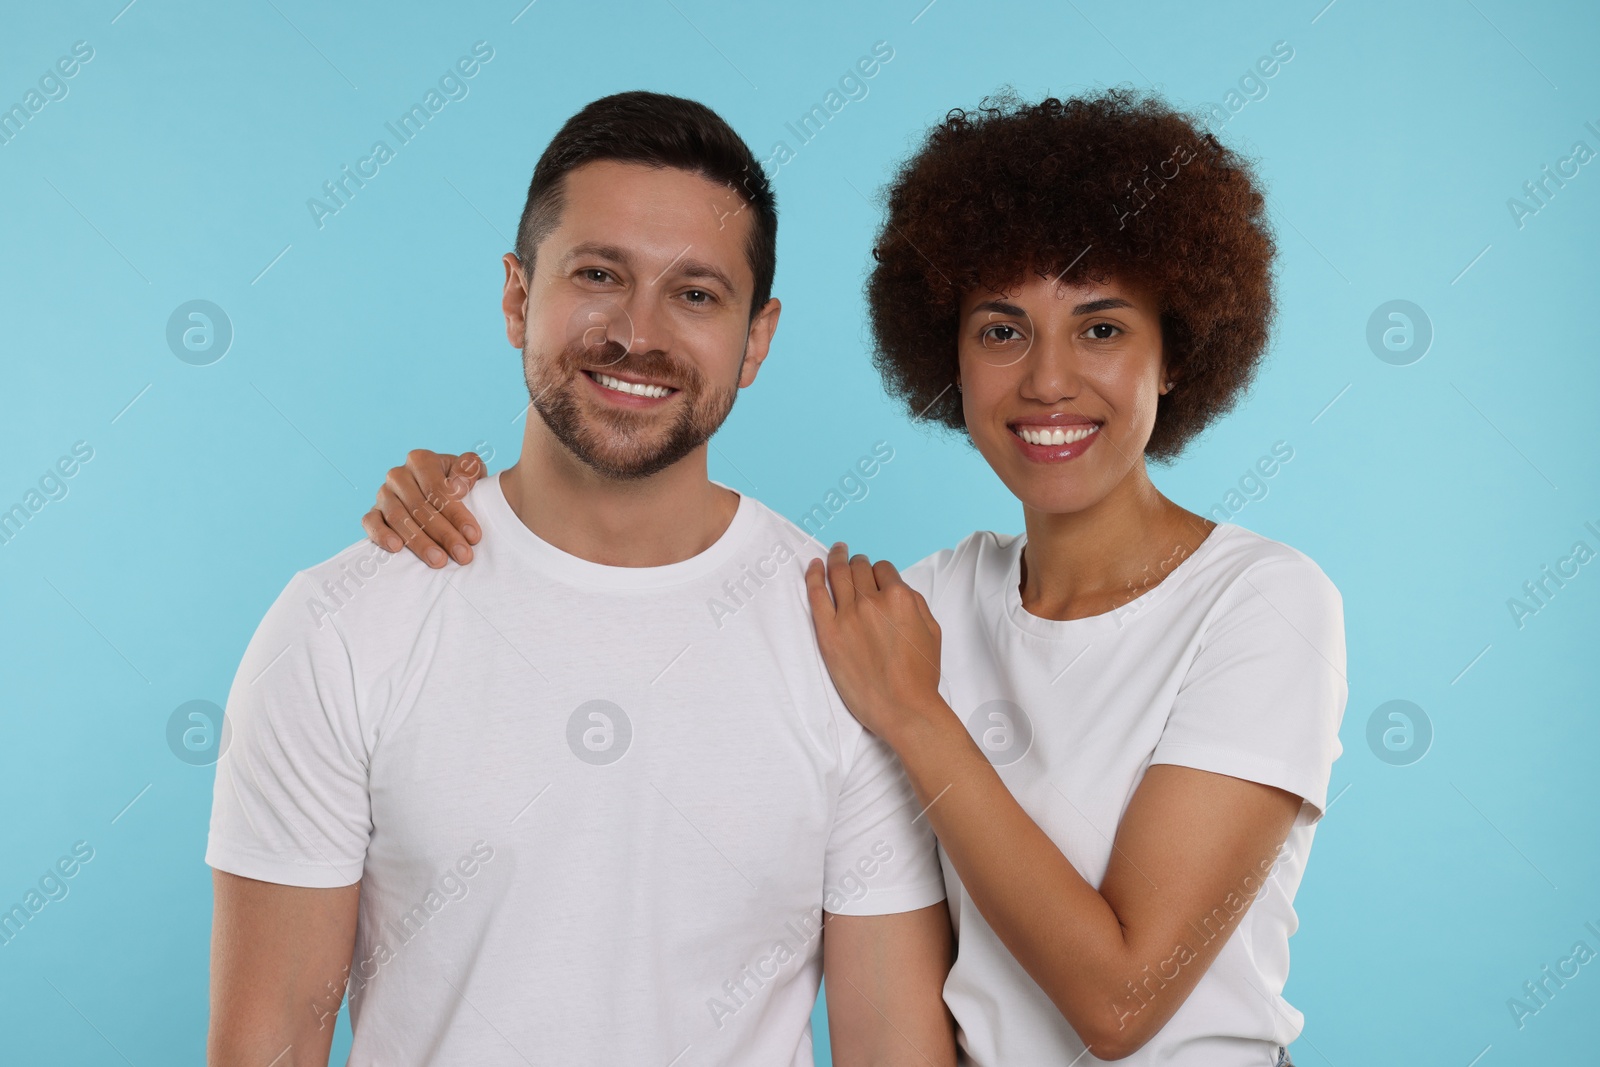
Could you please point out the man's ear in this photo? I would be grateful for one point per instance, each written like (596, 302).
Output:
(759, 340)
(514, 301)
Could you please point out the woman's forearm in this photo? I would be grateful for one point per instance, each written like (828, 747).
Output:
(1061, 930)
(1186, 857)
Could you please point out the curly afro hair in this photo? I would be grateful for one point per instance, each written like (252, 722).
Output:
(1108, 185)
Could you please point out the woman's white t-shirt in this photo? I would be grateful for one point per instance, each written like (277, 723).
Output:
(1233, 663)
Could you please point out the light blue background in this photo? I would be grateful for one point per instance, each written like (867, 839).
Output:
(179, 165)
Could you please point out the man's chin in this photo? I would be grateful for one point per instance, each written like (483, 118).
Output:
(622, 444)
(629, 459)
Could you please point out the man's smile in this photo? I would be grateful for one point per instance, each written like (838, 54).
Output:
(630, 390)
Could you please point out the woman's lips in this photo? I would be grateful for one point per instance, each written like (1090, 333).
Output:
(1047, 443)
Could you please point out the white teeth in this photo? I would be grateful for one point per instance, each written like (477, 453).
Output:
(1041, 436)
(636, 388)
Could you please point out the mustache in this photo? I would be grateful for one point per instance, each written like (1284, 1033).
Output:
(612, 356)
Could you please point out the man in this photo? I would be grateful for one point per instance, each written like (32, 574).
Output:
(549, 808)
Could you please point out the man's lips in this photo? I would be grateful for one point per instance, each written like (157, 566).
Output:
(632, 386)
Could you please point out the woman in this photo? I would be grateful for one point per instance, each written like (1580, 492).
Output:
(1122, 723)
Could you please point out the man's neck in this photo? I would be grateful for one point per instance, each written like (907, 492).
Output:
(665, 518)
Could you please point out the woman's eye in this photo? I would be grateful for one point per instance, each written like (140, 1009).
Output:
(1000, 334)
(1112, 331)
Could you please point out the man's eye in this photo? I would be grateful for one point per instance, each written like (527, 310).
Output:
(595, 274)
(699, 296)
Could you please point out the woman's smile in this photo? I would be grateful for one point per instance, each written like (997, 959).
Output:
(1053, 438)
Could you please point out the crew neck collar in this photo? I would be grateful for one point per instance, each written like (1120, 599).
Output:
(488, 501)
(1117, 618)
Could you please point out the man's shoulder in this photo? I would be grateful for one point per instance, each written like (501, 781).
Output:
(362, 586)
(768, 525)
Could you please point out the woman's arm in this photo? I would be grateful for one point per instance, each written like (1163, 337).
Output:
(1187, 858)
(419, 507)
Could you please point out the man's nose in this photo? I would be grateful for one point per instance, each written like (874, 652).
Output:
(647, 323)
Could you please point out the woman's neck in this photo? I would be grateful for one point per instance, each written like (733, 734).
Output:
(1083, 563)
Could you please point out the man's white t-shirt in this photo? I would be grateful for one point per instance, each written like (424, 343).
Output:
(596, 812)
(1234, 663)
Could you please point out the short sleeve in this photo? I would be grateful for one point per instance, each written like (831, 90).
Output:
(290, 802)
(1266, 691)
(881, 857)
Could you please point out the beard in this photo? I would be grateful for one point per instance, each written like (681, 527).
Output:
(617, 443)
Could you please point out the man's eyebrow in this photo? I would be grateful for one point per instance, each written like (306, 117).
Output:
(1000, 307)
(594, 248)
(694, 268)
(687, 268)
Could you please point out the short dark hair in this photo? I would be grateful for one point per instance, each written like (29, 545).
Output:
(659, 131)
(1113, 184)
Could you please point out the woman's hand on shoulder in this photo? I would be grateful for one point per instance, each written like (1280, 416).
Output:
(419, 507)
(878, 638)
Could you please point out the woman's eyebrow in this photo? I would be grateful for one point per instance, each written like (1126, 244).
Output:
(1104, 304)
(1000, 307)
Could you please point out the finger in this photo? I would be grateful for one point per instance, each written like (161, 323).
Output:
(861, 571)
(464, 473)
(392, 516)
(407, 513)
(891, 581)
(378, 532)
(925, 611)
(432, 473)
(817, 593)
(839, 579)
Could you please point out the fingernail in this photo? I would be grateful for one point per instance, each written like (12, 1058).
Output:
(471, 532)
(460, 553)
(436, 557)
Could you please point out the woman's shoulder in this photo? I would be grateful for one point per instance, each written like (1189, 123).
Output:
(1242, 551)
(1249, 573)
(1235, 558)
(978, 561)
